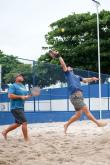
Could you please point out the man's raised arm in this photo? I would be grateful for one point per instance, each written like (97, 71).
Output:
(55, 54)
(63, 65)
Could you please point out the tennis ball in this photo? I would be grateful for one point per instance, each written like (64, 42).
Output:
(62, 30)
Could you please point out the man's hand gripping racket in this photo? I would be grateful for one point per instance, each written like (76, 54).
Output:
(54, 54)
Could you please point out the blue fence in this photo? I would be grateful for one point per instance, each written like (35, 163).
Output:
(42, 117)
(53, 104)
(50, 95)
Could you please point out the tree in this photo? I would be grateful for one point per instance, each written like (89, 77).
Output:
(11, 65)
(75, 37)
(48, 74)
(8, 63)
(25, 69)
(43, 74)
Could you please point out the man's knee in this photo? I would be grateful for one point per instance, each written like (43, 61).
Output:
(24, 124)
(85, 109)
(78, 114)
(18, 125)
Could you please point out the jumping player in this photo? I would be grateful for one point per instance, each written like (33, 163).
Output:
(76, 93)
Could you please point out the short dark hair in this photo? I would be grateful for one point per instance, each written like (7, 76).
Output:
(17, 75)
(69, 65)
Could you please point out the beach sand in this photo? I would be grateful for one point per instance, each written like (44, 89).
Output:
(85, 144)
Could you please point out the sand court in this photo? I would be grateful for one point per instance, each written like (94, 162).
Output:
(85, 144)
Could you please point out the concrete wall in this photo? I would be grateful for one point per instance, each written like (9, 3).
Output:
(42, 117)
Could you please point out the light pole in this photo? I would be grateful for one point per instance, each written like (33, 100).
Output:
(99, 67)
(0, 77)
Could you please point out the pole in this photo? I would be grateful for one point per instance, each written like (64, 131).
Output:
(108, 96)
(89, 85)
(33, 76)
(0, 77)
(99, 67)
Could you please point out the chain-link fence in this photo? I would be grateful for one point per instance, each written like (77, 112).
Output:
(54, 93)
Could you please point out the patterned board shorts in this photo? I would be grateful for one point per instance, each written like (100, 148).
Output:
(77, 100)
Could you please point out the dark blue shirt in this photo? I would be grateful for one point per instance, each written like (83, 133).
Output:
(17, 89)
(73, 81)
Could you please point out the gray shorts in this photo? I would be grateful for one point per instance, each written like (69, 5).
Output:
(19, 116)
(77, 100)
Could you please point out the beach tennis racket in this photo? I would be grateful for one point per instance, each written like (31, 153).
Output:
(54, 54)
(35, 91)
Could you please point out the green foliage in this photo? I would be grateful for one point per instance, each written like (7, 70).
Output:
(75, 37)
(11, 65)
(48, 74)
(25, 69)
(77, 43)
(43, 74)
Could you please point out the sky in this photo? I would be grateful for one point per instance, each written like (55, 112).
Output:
(24, 23)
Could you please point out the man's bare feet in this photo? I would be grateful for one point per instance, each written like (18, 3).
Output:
(65, 128)
(28, 142)
(101, 124)
(4, 135)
